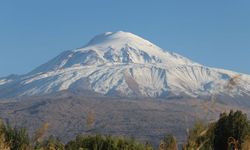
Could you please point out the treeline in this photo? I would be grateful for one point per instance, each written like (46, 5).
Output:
(230, 132)
(18, 139)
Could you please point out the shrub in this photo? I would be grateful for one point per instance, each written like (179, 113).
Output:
(52, 143)
(200, 137)
(100, 142)
(17, 139)
(3, 144)
(168, 143)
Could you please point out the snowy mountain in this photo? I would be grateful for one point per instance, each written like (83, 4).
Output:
(124, 64)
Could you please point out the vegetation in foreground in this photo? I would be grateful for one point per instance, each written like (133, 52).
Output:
(231, 131)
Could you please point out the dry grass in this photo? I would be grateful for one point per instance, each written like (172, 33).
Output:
(246, 143)
(40, 133)
(90, 118)
(3, 145)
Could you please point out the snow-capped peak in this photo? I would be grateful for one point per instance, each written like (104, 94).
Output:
(120, 37)
(126, 47)
(125, 64)
(117, 47)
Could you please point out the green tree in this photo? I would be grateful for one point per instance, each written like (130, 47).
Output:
(233, 126)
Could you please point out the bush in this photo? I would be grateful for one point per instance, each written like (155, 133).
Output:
(200, 137)
(16, 138)
(52, 143)
(100, 142)
(168, 143)
(3, 144)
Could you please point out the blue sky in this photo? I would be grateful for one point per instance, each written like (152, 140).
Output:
(215, 33)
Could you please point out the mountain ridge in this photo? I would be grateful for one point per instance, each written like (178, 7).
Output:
(127, 65)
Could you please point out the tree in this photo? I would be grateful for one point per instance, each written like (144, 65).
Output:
(231, 130)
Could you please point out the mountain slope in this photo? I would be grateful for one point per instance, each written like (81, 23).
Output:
(143, 119)
(125, 64)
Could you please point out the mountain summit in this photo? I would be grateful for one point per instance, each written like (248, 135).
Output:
(124, 64)
(117, 47)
